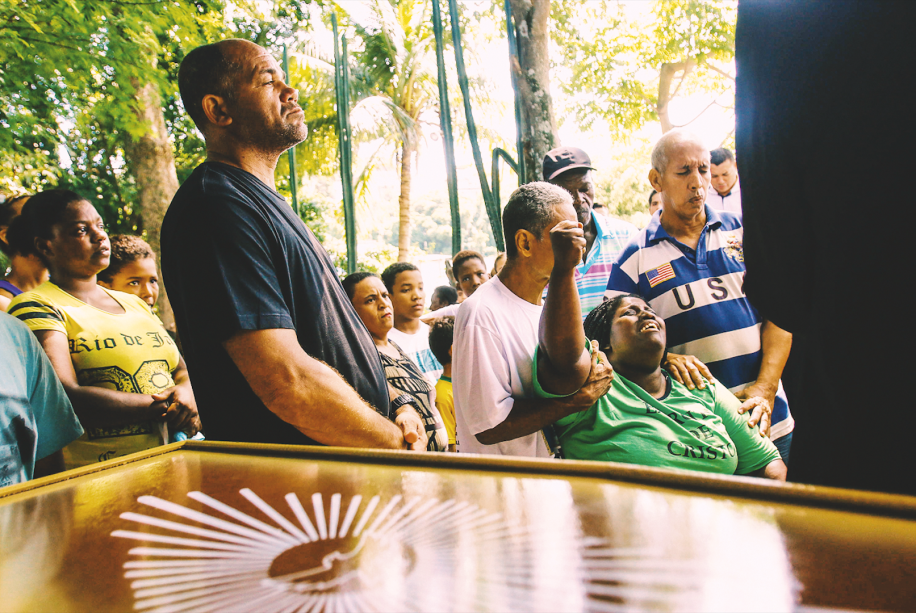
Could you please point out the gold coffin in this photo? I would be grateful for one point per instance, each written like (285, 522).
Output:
(232, 527)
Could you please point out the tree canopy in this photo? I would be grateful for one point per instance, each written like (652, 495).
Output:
(73, 73)
(624, 67)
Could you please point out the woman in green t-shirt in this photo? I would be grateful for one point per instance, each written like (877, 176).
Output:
(647, 417)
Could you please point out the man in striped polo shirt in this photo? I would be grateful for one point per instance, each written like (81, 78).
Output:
(688, 263)
(605, 236)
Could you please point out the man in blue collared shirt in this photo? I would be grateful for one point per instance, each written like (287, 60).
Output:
(688, 263)
(605, 237)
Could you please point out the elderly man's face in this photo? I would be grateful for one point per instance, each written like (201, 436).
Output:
(581, 187)
(265, 110)
(685, 182)
(723, 177)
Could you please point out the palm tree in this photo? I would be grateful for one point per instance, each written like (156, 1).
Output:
(395, 71)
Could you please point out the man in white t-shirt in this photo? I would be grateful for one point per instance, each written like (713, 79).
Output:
(408, 301)
(496, 334)
(725, 194)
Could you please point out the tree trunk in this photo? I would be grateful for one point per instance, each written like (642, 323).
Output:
(407, 150)
(532, 71)
(665, 78)
(153, 165)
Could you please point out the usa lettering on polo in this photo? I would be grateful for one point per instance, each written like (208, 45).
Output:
(703, 304)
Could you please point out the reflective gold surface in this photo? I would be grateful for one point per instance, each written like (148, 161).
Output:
(269, 528)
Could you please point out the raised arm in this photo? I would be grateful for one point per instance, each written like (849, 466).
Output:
(307, 393)
(563, 361)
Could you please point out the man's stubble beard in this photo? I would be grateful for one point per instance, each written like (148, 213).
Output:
(275, 142)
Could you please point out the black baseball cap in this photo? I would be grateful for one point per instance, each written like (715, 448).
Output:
(561, 159)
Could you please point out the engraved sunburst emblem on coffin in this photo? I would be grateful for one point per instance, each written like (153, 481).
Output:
(421, 554)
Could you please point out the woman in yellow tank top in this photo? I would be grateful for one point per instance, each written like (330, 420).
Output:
(122, 371)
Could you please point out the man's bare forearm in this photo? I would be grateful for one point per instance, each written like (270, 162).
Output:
(776, 344)
(98, 407)
(307, 393)
(529, 415)
(564, 363)
(50, 465)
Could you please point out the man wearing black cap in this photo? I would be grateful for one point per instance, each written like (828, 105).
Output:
(605, 236)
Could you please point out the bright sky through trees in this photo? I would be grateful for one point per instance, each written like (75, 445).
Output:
(712, 122)
(606, 58)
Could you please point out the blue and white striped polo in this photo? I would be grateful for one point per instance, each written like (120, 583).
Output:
(700, 296)
(592, 274)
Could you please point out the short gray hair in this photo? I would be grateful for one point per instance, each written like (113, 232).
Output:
(530, 208)
(663, 146)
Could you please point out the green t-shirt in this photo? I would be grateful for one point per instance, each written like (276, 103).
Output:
(694, 430)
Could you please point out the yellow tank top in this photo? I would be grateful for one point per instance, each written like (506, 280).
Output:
(127, 352)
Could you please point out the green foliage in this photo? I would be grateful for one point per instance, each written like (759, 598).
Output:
(394, 71)
(623, 187)
(69, 68)
(390, 92)
(70, 72)
(373, 260)
(315, 81)
(433, 231)
(694, 29)
(272, 24)
(610, 59)
(61, 58)
(432, 225)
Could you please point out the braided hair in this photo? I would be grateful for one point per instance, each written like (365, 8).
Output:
(599, 321)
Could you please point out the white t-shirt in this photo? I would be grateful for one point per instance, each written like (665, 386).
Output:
(445, 311)
(496, 334)
(416, 347)
(730, 203)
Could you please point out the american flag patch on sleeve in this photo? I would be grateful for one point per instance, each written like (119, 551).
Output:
(660, 274)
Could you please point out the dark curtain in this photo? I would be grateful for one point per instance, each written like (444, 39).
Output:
(827, 155)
